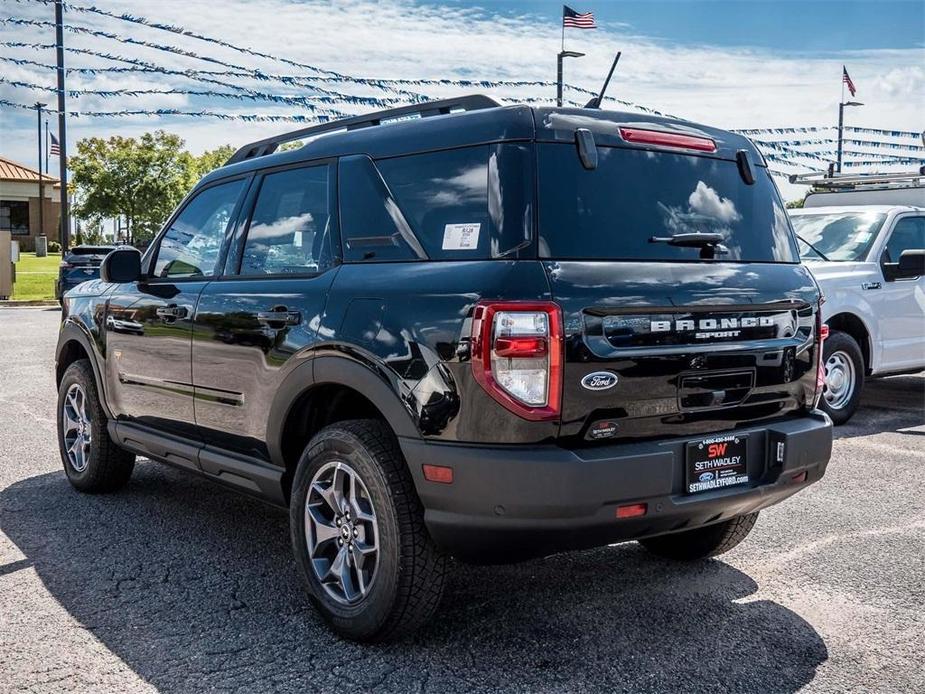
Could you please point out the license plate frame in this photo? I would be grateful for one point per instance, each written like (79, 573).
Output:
(715, 462)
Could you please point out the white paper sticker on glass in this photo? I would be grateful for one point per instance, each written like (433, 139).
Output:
(461, 237)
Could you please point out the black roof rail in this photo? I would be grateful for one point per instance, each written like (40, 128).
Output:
(470, 102)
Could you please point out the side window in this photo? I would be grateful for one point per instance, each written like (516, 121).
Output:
(470, 203)
(372, 225)
(192, 244)
(909, 233)
(444, 195)
(289, 231)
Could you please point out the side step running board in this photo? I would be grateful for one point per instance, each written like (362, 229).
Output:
(240, 472)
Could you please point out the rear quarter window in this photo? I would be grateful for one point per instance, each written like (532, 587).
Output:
(471, 203)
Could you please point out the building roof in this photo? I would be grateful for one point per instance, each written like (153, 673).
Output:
(14, 171)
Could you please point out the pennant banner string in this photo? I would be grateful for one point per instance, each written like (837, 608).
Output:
(144, 66)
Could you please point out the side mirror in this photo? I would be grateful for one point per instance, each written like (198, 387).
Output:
(911, 264)
(121, 265)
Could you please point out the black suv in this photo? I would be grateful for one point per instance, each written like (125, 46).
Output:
(79, 264)
(462, 329)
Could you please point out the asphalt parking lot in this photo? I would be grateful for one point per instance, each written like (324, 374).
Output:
(178, 586)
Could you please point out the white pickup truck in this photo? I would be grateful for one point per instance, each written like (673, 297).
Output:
(869, 260)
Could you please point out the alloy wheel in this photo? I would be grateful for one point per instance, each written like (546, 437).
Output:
(76, 427)
(341, 533)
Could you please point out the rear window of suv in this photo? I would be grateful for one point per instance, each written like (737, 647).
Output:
(612, 212)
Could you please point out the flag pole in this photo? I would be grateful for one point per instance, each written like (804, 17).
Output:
(559, 62)
(38, 111)
(62, 125)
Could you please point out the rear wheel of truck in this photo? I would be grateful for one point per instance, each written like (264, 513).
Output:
(358, 534)
(702, 543)
(844, 376)
(92, 461)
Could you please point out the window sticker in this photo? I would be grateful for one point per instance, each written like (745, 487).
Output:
(461, 237)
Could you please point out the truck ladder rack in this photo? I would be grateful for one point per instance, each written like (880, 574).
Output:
(821, 181)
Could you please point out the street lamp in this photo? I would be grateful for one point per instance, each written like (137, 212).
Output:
(841, 120)
(559, 58)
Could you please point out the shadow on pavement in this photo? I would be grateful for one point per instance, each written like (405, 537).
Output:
(193, 588)
(896, 403)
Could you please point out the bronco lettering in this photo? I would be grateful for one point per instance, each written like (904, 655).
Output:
(687, 325)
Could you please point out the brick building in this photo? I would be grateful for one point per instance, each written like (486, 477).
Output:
(19, 204)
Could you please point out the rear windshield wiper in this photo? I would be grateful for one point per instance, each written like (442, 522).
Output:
(694, 239)
(813, 248)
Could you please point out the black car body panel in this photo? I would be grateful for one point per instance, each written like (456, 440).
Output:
(232, 348)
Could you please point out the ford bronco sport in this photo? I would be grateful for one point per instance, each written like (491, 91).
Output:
(460, 329)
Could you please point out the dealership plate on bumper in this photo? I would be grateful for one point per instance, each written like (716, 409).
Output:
(715, 463)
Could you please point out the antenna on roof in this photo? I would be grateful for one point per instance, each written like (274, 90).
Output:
(595, 101)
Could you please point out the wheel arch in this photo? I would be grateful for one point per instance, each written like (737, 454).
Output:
(75, 344)
(856, 327)
(328, 389)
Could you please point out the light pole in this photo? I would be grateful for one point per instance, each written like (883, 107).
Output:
(38, 112)
(841, 121)
(559, 58)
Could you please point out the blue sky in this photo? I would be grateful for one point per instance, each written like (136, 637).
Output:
(729, 64)
(791, 25)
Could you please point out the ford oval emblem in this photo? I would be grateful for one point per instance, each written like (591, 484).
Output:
(599, 380)
(705, 476)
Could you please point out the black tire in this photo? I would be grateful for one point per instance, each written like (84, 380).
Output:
(702, 543)
(106, 467)
(409, 575)
(838, 347)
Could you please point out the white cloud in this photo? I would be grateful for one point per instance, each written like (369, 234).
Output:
(707, 202)
(732, 88)
(904, 82)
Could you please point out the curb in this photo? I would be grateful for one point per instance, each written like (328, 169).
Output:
(26, 303)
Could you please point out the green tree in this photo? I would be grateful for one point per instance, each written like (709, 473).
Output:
(212, 159)
(141, 180)
(796, 204)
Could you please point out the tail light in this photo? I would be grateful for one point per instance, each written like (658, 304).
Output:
(64, 265)
(822, 330)
(517, 355)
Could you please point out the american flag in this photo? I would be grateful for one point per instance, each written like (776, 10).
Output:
(54, 149)
(577, 20)
(846, 79)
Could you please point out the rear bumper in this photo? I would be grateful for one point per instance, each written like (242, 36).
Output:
(513, 502)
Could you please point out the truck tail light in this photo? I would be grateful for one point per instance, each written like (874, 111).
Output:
(517, 355)
(657, 137)
(822, 330)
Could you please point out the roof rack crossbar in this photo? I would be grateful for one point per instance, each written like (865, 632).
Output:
(260, 148)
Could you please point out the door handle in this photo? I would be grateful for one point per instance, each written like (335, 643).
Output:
(278, 319)
(171, 312)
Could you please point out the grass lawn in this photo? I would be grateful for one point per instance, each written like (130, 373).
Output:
(35, 277)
